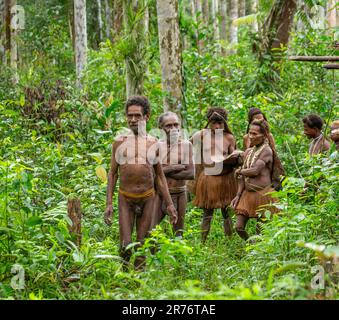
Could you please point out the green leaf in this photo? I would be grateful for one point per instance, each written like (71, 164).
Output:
(33, 221)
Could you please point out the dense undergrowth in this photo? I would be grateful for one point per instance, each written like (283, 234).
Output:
(55, 143)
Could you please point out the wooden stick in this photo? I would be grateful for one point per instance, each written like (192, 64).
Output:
(74, 213)
(314, 58)
(332, 66)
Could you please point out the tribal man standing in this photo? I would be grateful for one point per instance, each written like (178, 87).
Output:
(140, 174)
(177, 161)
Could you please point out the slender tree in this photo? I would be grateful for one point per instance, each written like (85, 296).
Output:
(332, 13)
(71, 26)
(100, 22)
(135, 39)
(198, 13)
(205, 11)
(117, 16)
(242, 8)
(170, 53)
(13, 37)
(108, 18)
(233, 34)
(215, 21)
(147, 18)
(254, 9)
(223, 25)
(6, 30)
(2, 30)
(80, 36)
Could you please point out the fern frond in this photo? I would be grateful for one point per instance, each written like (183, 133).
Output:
(249, 19)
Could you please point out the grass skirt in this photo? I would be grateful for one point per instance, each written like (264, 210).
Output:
(253, 202)
(214, 192)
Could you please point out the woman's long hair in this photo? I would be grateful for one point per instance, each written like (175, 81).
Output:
(218, 114)
(277, 167)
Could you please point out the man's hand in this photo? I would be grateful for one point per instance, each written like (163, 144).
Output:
(108, 215)
(172, 212)
(236, 154)
(178, 167)
(235, 202)
(237, 172)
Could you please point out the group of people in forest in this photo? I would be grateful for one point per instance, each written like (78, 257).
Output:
(155, 176)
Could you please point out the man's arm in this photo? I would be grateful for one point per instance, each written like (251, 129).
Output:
(188, 172)
(111, 183)
(170, 169)
(265, 157)
(163, 190)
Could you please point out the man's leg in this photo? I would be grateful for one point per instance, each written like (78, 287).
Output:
(227, 221)
(241, 225)
(126, 224)
(181, 200)
(144, 225)
(206, 224)
(159, 213)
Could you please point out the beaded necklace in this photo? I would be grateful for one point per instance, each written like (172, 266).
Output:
(253, 155)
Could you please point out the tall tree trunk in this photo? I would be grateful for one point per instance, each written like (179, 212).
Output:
(72, 27)
(255, 8)
(146, 19)
(100, 22)
(75, 214)
(80, 26)
(277, 26)
(108, 18)
(13, 37)
(332, 13)
(2, 31)
(223, 31)
(248, 7)
(215, 21)
(170, 53)
(7, 31)
(118, 16)
(242, 8)
(233, 28)
(275, 35)
(205, 12)
(199, 20)
(135, 60)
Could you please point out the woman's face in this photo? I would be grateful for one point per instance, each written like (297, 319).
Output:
(216, 124)
(255, 135)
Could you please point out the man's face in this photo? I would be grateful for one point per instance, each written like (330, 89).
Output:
(136, 117)
(256, 137)
(171, 126)
(258, 117)
(310, 132)
(216, 124)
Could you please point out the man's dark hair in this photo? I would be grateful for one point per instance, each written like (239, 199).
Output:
(141, 101)
(313, 121)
